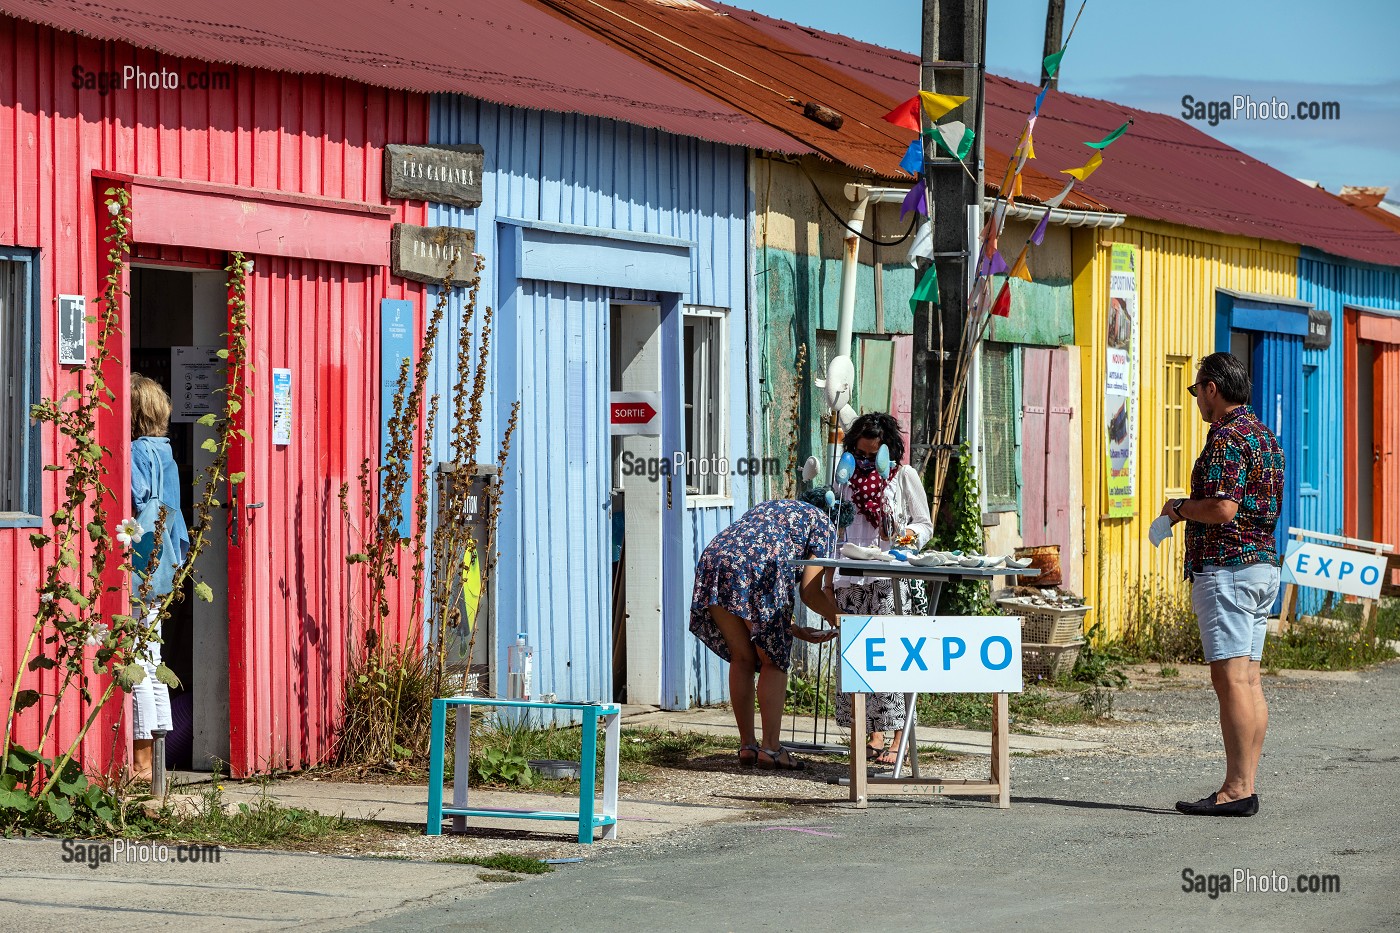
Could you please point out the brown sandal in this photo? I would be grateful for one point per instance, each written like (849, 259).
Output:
(779, 759)
(748, 756)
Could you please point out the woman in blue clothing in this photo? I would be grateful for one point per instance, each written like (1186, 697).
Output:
(742, 611)
(155, 489)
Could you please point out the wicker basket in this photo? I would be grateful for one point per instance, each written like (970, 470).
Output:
(1048, 661)
(1045, 625)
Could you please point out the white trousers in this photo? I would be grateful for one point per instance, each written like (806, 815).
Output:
(150, 699)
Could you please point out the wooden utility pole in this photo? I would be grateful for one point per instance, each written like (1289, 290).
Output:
(1054, 33)
(954, 39)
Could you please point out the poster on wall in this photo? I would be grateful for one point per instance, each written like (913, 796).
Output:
(72, 330)
(281, 407)
(398, 332)
(196, 374)
(1121, 381)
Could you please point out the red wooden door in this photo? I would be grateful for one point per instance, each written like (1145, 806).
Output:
(1045, 447)
(1386, 455)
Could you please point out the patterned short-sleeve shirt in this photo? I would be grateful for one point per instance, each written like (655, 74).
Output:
(1242, 462)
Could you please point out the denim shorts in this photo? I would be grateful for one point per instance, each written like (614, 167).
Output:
(1232, 609)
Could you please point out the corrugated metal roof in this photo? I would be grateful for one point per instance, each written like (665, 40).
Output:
(503, 51)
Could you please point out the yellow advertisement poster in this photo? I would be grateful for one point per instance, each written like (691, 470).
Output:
(1121, 381)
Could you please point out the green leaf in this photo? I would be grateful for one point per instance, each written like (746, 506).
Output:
(203, 592)
(166, 676)
(129, 675)
(52, 467)
(42, 663)
(223, 354)
(237, 478)
(17, 800)
(207, 420)
(38, 539)
(209, 445)
(25, 699)
(61, 809)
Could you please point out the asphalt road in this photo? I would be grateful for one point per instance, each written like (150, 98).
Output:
(1090, 843)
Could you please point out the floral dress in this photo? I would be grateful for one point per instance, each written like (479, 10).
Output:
(741, 571)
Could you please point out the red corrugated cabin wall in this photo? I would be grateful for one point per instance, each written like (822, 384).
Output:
(306, 135)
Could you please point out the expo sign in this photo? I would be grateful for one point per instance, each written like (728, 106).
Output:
(1354, 573)
(930, 654)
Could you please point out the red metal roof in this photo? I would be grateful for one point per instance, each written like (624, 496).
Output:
(503, 51)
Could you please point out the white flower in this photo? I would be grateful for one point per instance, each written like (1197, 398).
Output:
(98, 635)
(248, 267)
(129, 532)
(114, 208)
(46, 598)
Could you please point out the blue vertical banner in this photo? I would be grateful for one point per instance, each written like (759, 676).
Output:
(398, 333)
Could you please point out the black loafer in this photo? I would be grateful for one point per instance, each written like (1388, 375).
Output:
(1206, 806)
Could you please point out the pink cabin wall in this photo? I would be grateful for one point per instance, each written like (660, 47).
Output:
(305, 135)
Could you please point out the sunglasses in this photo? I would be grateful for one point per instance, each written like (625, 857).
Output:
(1195, 387)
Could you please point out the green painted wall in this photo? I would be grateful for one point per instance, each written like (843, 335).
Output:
(1042, 314)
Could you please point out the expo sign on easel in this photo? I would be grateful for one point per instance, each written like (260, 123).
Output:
(931, 654)
(1348, 566)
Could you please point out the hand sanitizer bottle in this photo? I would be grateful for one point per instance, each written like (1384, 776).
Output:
(519, 669)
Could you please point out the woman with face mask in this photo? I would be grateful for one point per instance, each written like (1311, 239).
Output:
(886, 510)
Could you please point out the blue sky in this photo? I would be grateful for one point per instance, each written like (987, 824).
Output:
(1150, 54)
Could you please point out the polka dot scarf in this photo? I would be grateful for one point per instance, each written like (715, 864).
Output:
(868, 493)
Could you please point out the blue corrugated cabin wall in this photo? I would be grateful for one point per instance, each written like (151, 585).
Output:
(1329, 283)
(602, 175)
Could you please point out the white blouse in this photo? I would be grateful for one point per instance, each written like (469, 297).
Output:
(905, 502)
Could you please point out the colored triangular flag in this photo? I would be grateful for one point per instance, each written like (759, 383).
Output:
(906, 114)
(1026, 150)
(927, 289)
(1052, 62)
(922, 247)
(1002, 306)
(1104, 143)
(913, 161)
(936, 105)
(992, 264)
(1039, 99)
(915, 200)
(1016, 188)
(1084, 171)
(1059, 199)
(1019, 267)
(954, 138)
(1038, 235)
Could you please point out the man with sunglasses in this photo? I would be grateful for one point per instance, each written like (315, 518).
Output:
(1232, 563)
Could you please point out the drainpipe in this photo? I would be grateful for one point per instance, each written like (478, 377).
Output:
(863, 196)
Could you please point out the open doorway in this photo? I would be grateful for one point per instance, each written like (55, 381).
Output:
(1367, 455)
(177, 323)
(642, 482)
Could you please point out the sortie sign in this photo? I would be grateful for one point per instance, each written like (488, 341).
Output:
(635, 413)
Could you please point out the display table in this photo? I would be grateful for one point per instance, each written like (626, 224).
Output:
(998, 784)
(587, 819)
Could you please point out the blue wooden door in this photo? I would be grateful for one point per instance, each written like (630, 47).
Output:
(1277, 364)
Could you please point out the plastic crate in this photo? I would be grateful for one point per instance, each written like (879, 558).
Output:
(1047, 662)
(1045, 625)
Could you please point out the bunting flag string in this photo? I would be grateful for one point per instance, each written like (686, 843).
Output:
(922, 247)
(1002, 306)
(955, 138)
